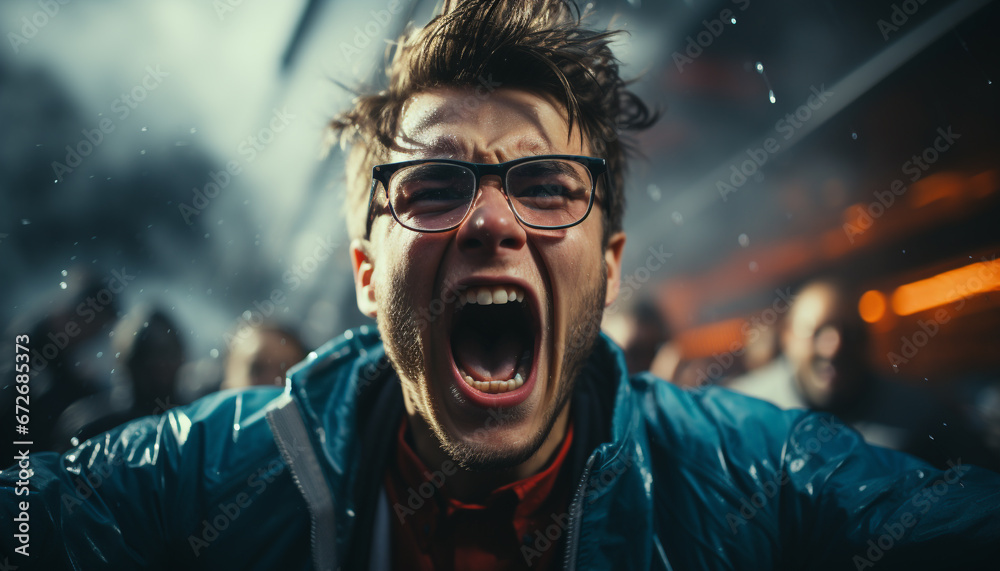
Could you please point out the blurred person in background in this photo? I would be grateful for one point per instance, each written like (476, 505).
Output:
(261, 355)
(824, 366)
(77, 322)
(150, 352)
(644, 336)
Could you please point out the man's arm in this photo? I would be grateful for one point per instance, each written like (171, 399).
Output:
(144, 494)
(101, 505)
(856, 506)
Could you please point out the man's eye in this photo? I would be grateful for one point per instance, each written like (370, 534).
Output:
(436, 192)
(547, 190)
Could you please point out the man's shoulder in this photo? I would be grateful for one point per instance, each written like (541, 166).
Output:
(709, 411)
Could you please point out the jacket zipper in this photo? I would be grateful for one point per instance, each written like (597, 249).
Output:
(576, 507)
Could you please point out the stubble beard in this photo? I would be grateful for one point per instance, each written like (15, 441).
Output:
(402, 332)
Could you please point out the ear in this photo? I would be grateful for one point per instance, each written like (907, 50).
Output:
(364, 267)
(613, 261)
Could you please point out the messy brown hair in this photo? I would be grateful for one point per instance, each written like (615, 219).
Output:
(538, 46)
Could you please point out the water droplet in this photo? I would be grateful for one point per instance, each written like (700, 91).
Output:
(733, 20)
(143, 129)
(25, 222)
(744, 240)
(65, 273)
(74, 441)
(931, 437)
(753, 266)
(653, 191)
(142, 152)
(193, 130)
(118, 355)
(854, 136)
(678, 218)
(771, 97)
(63, 285)
(100, 354)
(760, 67)
(214, 353)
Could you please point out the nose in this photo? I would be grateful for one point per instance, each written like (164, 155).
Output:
(828, 342)
(491, 227)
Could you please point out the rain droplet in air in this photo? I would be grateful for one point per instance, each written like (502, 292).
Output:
(62, 285)
(733, 20)
(770, 91)
(65, 273)
(744, 240)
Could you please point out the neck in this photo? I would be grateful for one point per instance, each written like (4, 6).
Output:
(472, 485)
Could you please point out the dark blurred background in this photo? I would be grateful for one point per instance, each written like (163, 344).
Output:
(162, 183)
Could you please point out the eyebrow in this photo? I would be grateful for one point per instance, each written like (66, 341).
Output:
(447, 147)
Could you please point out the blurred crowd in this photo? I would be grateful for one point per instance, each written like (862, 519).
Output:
(815, 357)
(73, 398)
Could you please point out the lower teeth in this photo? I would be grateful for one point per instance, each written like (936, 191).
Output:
(495, 386)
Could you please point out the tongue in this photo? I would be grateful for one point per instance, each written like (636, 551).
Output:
(487, 357)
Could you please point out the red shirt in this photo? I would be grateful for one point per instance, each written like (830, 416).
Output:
(432, 530)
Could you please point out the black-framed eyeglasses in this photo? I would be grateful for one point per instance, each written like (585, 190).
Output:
(547, 192)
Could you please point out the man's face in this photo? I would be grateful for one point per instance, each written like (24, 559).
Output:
(824, 343)
(556, 283)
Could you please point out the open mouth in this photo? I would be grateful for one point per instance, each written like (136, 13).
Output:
(494, 339)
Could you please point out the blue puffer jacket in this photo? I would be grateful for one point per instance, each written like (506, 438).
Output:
(669, 479)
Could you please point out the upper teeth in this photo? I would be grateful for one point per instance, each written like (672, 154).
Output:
(488, 295)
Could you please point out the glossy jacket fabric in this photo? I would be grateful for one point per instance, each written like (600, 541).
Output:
(271, 479)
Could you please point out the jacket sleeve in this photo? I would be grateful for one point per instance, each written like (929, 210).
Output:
(131, 497)
(852, 505)
(100, 505)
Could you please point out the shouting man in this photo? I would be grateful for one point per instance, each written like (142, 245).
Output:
(487, 423)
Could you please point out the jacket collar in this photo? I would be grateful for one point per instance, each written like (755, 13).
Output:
(350, 400)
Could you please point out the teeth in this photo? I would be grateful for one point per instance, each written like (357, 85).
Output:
(495, 386)
(499, 295)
